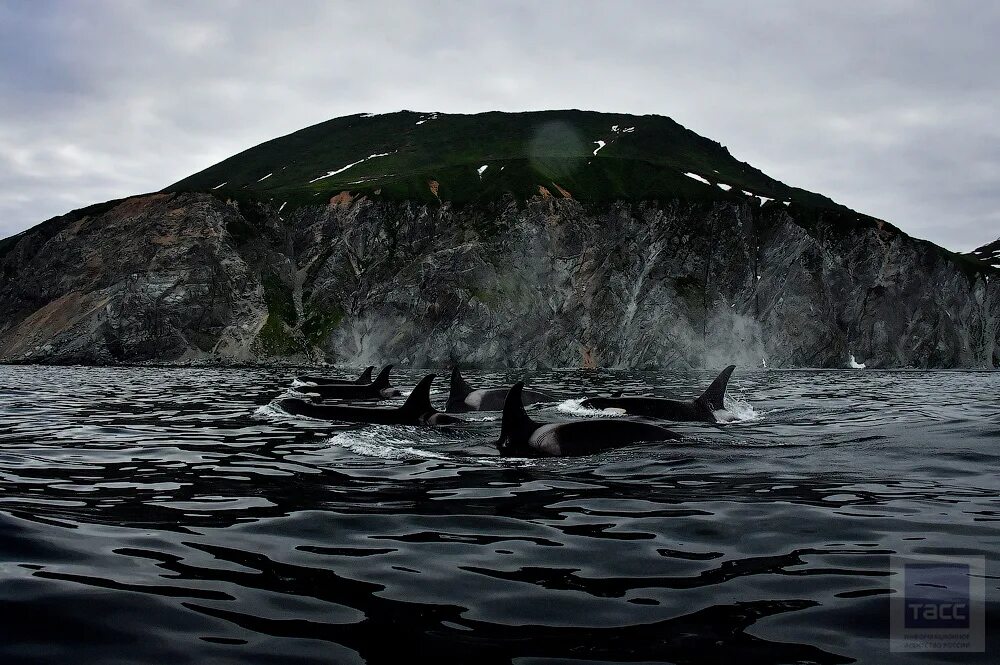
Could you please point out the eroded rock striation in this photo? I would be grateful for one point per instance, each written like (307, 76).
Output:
(544, 281)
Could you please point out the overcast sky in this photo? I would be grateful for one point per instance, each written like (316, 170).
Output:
(891, 108)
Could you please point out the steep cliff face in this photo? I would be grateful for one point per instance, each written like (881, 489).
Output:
(153, 277)
(547, 281)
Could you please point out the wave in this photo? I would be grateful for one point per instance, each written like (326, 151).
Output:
(575, 407)
(737, 410)
(383, 441)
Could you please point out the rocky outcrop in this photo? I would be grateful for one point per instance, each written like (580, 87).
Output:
(546, 282)
(154, 277)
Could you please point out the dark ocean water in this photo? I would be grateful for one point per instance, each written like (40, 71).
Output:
(171, 515)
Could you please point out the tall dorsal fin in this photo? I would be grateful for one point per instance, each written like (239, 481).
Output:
(419, 401)
(460, 389)
(714, 398)
(516, 426)
(366, 376)
(382, 380)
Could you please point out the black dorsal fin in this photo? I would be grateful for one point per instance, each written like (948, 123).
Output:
(366, 376)
(382, 380)
(460, 389)
(419, 401)
(516, 426)
(714, 398)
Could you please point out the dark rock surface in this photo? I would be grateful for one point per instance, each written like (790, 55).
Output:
(544, 283)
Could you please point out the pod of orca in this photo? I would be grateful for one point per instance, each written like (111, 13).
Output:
(379, 388)
(520, 436)
(366, 377)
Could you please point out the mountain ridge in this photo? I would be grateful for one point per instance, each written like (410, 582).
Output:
(588, 239)
(988, 254)
(397, 153)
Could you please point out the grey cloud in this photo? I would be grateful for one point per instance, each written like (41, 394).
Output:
(887, 107)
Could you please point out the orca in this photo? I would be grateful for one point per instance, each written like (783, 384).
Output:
(464, 397)
(417, 410)
(701, 409)
(366, 377)
(377, 389)
(520, 436)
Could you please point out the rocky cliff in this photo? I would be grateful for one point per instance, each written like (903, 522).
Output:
(543, 282)
(521, 240)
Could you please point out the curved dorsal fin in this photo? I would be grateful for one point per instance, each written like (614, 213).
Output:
(460, 388)
(366, 376)
(382, 380)
(516, 426)
(715, 396)
(419, 401)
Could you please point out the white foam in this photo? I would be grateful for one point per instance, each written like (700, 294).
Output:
(302, 392)
(614, 128)
(271, 412)
(628, 130)
(265, 177)
(217, 186)
(380, 441)
(600, 144)
(737, 409)
(282, 206)
(298, 383)
(433, 116)
(697, 177)
(575, 406)
(723, 186)
(854, 364)
(368, 115)
(482, 169)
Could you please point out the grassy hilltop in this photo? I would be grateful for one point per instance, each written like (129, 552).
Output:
(437, 156)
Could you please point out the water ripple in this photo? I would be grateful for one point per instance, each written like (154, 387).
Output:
(154, 514)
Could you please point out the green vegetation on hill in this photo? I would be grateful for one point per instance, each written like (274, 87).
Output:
(432, 156)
